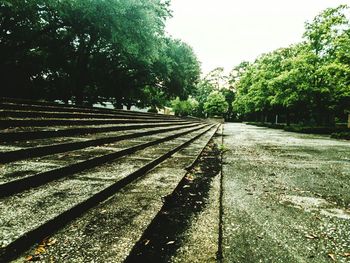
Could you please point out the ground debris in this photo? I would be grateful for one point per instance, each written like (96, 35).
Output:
(332, 256)
(311, 236)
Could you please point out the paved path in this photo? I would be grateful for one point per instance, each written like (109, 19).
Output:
(286, 196)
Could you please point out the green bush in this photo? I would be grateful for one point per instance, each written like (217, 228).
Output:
(341, 135)
(336, 132)
(268, 125)
(310, 129)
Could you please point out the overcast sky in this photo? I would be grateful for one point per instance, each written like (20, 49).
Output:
(226, 32)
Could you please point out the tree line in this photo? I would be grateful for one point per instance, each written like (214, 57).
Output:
(89, 51)
(307, 83)
(212, 97)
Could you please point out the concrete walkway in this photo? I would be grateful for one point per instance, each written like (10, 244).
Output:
(286, 196)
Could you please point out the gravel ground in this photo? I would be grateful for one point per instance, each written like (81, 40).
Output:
(286, 196)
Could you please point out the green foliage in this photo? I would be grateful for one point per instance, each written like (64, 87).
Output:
(305, 83)
(341, 135)
(93, 50)
(216, 104)
(183, 69)
(187, 107)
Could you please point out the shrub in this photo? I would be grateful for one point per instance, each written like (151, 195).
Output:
(341, 135)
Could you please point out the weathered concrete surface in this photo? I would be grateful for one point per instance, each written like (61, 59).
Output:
(200, 240)
(286, 197)
(108, 232)
(38, 205)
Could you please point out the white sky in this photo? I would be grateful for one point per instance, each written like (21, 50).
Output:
(225, 32)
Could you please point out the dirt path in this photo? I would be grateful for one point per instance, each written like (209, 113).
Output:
(286, 197)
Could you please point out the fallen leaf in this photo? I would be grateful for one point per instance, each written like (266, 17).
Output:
(29, 258)
(51, 241)
(147, 242)
(189, 177)
(170, 242)
(332, 256)
(39, 250)
(311, 236)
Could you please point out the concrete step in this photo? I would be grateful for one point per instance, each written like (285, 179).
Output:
(30, 133)
(12, 104)
(75, 115)
(36, 148)
(60, 201)
(108, 232)
(21, 175)
(18, 122)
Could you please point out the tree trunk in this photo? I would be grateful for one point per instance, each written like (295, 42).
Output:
(118, 103)
(287, 118)
(81, 71)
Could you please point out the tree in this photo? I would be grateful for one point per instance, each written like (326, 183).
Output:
(88, 50)
(183, 69)
(320, 34)
(216, 104)
(217, 78)
(307, 82)
(229, 95)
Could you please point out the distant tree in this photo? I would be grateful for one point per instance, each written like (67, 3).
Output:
(202, 91)
(307, 82)
(194, 106)
(216, 104)
(217, 78)
(229, 95)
